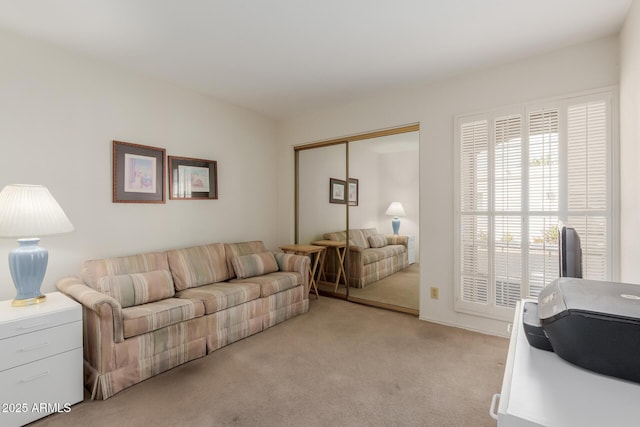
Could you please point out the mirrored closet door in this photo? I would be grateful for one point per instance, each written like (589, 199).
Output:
(385, 272)
(354, 187)
(321, 209)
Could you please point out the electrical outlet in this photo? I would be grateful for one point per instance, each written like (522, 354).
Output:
(434, 293)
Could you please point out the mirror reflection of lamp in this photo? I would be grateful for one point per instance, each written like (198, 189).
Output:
(395, 209)
(27, 211)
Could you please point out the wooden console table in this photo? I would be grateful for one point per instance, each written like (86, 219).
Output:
(340, 247)
(314, 253)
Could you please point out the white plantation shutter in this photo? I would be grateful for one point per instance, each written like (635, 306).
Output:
(516, 180)
(542, 252)
(508, 164)
(544, 198)
(474, 264)
(543, 161)
(507, 253)
(587, 182)
(507, 260)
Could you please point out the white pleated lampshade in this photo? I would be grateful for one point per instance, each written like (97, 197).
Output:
(395, 209)
(31, 211)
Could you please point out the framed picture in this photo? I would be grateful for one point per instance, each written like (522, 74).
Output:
(353, 192)
(138, 173)
(337, 191)
(192, 179)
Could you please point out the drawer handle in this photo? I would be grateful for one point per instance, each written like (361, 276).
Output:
(33, 347)
(34, 325)
(492, 408)
(34, 377)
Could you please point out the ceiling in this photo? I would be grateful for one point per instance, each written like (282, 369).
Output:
(286, 57)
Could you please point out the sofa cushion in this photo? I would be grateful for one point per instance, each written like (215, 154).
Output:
(367, 232)
(340, 236)
(254, 265)
(274, 282)
(233, 250)
(198, 265)
(376, 254)
(358, 238)
(137, 288)
(377, 240)
(93, 270)
(336, 235)
(220, 296)
(144, 318)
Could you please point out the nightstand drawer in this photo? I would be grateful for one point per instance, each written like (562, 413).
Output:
(56, 310)
(26, 348)
(36, 389)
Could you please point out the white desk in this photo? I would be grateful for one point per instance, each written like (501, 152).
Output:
(541, 389)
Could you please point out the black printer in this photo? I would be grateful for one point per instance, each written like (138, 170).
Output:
(593, 324)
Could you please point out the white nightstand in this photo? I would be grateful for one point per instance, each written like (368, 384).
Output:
(411, 249)
(40, 359)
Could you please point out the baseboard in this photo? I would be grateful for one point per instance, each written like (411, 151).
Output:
(496, 333)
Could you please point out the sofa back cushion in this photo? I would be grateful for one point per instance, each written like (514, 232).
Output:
(198, 265)
(368, 232)
(91, 271)
(377, 240)
(239, 249)
(338, 236)
(254, 265)
(357, 236)
(137, 288)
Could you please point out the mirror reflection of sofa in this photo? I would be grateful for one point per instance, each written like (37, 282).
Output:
(372, 256)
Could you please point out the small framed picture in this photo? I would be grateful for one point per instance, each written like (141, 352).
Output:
(192, 179)
(138, 173)
(337, 191)
(353, 192)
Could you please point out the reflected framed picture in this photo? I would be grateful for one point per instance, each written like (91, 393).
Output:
(192, 179)
(337, 191)
(353, 192)
(138, 173)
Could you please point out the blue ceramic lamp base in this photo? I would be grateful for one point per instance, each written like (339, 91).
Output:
(395, 223)
(28, 263)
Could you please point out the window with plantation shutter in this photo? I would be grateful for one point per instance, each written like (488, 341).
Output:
(518, 173)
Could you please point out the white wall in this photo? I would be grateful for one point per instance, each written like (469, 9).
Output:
(400, 182)
(365, 166)
(630, 146)
(317, 215)
(587, 66)
(59, 114)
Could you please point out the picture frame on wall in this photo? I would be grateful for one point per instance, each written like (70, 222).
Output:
(353, 192)
(192, 179)
(337, 191)
(138, 173)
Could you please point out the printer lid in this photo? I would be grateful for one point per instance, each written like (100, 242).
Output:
(613, 299)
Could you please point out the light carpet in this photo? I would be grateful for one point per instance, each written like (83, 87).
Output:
(341, 364)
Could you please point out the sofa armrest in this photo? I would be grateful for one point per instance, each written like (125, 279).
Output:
(396, 239)
(295, 263)
(106, 308)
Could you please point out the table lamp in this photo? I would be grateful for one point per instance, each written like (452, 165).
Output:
(395, 209)
(27, 211)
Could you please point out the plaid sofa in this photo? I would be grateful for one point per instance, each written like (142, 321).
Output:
(147, 313)
(371, 256)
